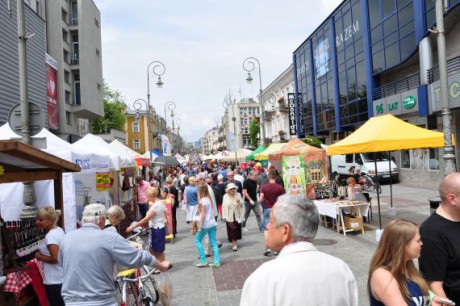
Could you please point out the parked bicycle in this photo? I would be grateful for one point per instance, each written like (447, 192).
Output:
(137, 286)
(369, 183)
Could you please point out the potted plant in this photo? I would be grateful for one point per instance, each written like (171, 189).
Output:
(281, 133)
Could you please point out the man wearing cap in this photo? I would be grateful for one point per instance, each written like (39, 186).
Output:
(88, 255)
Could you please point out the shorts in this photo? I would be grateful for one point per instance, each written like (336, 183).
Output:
(157, 239)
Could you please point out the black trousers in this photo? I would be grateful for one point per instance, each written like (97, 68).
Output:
(53, 292)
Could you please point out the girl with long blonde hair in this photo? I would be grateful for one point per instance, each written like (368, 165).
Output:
(393, 277)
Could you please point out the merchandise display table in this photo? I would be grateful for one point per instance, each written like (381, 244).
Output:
(336, 208)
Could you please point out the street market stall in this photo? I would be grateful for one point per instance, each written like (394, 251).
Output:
(20, 163)
(301, 166)
(260, 149)
(386, 133)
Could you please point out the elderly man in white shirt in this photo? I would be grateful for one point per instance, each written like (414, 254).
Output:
(300, 275)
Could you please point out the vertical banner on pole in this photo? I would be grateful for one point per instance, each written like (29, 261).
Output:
(292, 115)
(51, 92)
(165, 145)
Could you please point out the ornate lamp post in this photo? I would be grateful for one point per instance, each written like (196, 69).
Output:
(138, 106)
(158, 69)
(169, 105)
(249, 65)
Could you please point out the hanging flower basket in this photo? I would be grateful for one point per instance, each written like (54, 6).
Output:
(281, 133)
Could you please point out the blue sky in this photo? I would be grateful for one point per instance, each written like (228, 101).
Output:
(203, 44)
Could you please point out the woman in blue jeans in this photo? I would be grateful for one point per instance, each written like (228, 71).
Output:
(208, 225)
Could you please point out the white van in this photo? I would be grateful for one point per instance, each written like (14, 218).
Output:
(340, 164)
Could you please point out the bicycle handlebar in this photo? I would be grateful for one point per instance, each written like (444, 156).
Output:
(137, 234)
(142, 277)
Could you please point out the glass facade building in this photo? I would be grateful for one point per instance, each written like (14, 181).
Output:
(339, 67)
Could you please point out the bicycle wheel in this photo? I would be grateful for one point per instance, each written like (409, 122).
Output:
(151, 292)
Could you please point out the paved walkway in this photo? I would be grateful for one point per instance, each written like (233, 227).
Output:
(222, 286)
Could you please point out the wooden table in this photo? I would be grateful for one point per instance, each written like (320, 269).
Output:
(334, 209)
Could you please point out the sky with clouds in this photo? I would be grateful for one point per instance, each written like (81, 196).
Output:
(203, 44)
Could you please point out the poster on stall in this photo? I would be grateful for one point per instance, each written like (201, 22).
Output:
(293, 171)
(168, 214)
(103, 181)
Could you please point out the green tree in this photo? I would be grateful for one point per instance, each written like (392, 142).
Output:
(312, 141)
(114, 109)
(253, 131)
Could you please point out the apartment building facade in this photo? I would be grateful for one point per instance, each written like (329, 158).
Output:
(74, 42)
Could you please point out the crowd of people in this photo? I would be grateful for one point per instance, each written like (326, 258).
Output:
(79, 266)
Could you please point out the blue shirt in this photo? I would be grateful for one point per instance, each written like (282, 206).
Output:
(417, 298)
(191, 195)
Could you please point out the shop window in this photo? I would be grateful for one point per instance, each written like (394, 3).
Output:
(376, 34)
(406, 29)
(406, 14)
(434, 159)
(405, 159)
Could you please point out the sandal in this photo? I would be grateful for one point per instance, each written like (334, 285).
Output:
(215, 264)
(235, 248)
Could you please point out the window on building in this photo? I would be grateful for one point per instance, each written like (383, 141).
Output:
(67, 98)
(77, 93)
(64, 16)
(96, 23)
(137, 144)
(74, 13)
(135, 126)
(66, 56)
(75, 53)
(98, 53)
(67, 76)
(420, 159)
(68, 118)
(65, 36)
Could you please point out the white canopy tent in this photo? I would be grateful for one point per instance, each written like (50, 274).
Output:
(11, 194)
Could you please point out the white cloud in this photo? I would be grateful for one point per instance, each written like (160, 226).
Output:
(203, 44)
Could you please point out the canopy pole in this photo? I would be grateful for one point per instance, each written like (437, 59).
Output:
(391, 183)
(378, 195)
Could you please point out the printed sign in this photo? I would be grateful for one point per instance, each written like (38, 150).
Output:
(292, 115)
(102, 181)
(293, 174)
(300, 116)
(321, 57)
(165, 145)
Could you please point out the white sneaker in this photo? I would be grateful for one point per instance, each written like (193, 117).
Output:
(245, 229)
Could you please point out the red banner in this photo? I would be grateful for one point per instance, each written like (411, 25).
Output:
(51, 93)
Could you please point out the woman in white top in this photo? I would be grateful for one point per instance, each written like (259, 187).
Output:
(155, 218)
(48, 253)
(208, 225)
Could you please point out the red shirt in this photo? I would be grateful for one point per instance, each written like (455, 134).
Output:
(271, 193)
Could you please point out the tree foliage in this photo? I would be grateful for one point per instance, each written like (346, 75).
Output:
(253, 131)
(114, 109)
(312, 141)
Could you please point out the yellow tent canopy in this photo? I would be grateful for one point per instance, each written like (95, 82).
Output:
(387, 133)
(274, 147)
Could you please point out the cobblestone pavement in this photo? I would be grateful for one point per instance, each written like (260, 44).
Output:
(222, 286)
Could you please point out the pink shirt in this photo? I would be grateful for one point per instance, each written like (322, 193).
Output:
(141, 189)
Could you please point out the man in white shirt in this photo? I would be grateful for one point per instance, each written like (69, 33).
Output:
(300, 275)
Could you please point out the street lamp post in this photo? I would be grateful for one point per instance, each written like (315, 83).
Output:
(137, 106)
(249, 65)
(170, 105)
(158, 69)
(449, 157)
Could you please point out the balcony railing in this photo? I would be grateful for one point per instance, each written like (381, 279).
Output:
(453, 65)
(407, 83)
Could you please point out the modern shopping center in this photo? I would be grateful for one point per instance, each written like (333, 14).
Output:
(372, 57)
